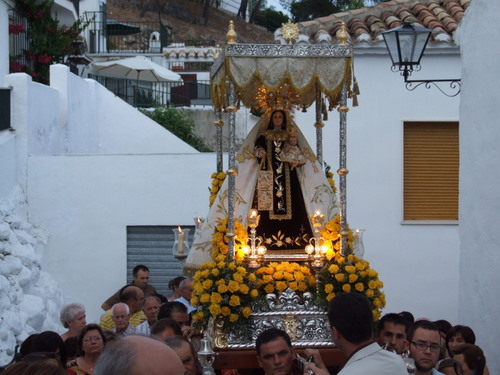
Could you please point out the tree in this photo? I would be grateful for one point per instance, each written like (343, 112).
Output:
(242, 12)
(270, 19)
(303, 10)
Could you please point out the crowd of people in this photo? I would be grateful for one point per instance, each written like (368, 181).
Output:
(143, 332)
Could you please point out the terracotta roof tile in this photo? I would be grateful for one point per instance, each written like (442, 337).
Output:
(366, 24)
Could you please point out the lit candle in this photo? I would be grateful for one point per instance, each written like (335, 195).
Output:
(180, 244)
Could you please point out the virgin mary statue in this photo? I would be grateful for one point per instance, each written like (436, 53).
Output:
(285, 194)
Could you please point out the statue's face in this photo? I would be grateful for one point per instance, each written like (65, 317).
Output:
(277, 120)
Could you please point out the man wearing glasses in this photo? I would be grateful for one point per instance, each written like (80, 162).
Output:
(424, 341)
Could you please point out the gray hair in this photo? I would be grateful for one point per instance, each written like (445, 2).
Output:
(147, 298)
(184, 282)
(69, 312)
(120, 304)
(117, 358)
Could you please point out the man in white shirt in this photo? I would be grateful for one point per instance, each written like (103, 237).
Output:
(186, 291)
(350, 316)
(120, 314)
(150, 306)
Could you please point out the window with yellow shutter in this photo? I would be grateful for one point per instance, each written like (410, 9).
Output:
(431, 166)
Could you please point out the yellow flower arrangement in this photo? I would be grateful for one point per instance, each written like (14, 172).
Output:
(224, 289)
(331, 233)
(351, 274)
(217, 181)
(277, 277)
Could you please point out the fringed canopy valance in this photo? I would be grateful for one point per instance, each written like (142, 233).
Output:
(304, 68)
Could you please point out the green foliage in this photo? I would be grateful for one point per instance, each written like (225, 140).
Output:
(50, 42)
(178, 122)
(303, 10)
(270, 19)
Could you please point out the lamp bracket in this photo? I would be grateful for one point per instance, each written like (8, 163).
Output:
(454, 88)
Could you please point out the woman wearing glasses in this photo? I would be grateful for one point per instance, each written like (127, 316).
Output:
(90, 345)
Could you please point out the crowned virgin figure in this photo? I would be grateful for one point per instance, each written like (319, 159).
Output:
(285, 196)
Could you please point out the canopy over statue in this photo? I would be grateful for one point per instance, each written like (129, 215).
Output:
(268, 78)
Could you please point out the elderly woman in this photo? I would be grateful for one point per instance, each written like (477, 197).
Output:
(73, 318)
(91, 342)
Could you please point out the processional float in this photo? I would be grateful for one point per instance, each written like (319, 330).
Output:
(241, 294)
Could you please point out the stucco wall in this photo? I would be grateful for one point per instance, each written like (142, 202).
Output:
(479, 298)
(417, 263)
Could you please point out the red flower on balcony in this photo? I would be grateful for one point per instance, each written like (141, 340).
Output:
(16, 29)
(44, 59)
(15, 67)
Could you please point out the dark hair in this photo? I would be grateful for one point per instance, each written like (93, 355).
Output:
(473, 357)
(71, 345)
(271, 334)
(450, 362)
(87, 328)
(408, 316)
(167, 309)
(466, 332)
(176, 341)
(271, 126)
(45, 366)
(161, 324)
(26, 345)
(175, 282)
(392, 318)
(443, 325)
(424, 324)
(49, 341)
(127, 293)
(139, 267)
(351, 314)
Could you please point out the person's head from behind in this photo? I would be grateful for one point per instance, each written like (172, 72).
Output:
(175, 310)
(91, 340)
(138, 355)
(274, 352)
(186, 353)
(164, 328)
(140, 275)
(392, 333)
(458, 335)
(49, 341)
(350, 316)
(132, 296)
(120, 313)
(471, 359)
(73, 317)
(449, 366)
(43, 366)
(425, 344)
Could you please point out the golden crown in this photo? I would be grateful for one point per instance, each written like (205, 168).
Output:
(283, 98)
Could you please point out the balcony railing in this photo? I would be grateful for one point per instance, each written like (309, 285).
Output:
(110, 36)
(150, 94)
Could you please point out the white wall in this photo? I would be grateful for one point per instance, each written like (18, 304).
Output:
(417, 263)
(4, 42)
(86, 203)
(479, 298)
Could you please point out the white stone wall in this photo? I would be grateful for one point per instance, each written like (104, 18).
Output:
(479, 291)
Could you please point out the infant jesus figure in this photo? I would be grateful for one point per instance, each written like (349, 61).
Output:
(291, 152)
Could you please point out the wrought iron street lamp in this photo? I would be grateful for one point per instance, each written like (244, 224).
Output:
(406, 45)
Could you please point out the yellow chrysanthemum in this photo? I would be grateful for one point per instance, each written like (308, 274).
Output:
(222, 288)
(353, 277)
(254, 293)
(233, 286)
(214, 309)
(339, 277)
(246, 312)
(269, 288)
(244, 289)
(330, 296)
(350, 269)
(328, 288)
(215, 272)
(372, 284)
(234, 300)
(233, 318)
(333, 269)
(359, 287)
(215, 298)
(195, 301)
(369, 293)
(205, 298)
(281, 286)
(226, 311)
(252, 277)
(238, 277)
(207, 284)
(293, 285)
(346, 288)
